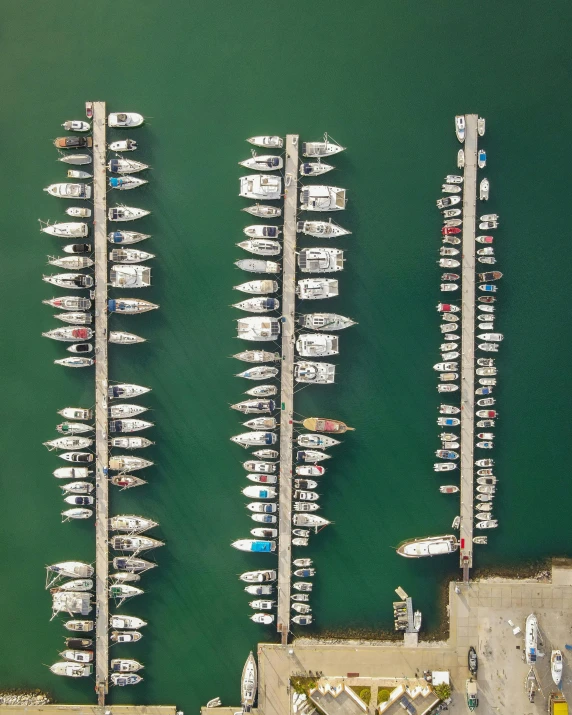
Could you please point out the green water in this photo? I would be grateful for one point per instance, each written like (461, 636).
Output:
(385, 79)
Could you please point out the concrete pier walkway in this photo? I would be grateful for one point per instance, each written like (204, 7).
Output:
(287, 386)
(101, 382)
(468, 345)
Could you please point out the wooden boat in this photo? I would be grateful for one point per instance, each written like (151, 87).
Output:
(320, 424)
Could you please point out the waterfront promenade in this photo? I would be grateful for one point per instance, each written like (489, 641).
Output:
(287, 386)
(101, 382)
(467, 465)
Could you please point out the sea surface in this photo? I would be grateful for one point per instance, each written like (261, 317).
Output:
(385, 79)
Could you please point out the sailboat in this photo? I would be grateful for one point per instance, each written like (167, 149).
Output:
(531, 639)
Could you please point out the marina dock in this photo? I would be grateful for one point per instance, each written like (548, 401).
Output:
(101, 382)
(468, 342)
(287, 386)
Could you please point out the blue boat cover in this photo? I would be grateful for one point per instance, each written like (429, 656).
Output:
(114, 164)
(116, 237)
(114, 182)
(306, 169)
(111, 305)
(261, 546)
(271, 231)
(268, 438)
(263, 494)
(274, 161)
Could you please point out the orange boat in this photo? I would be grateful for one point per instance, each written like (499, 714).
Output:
(320, 424)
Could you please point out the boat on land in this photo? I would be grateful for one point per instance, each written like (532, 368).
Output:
(556, 667)
(482, 158)
(260, 372)
(267, 141)
(323, 148)
(255, 407)
(76, 125)
(316, 288)
(248, 683)
(126, 213)
(321, 229)
(130, 306)
(316, 441)
(314, 168)
(261, 247)
(321, 424)
(67, 229)
(69, 191)
(249, 439)
(484, 188)
(257, 265)
(123, 145)
(126, 237)
(263, 211)
(322, 198)
(72, 670)
(73, 142)
(120, 337)
(447, 201)
(428, 546)
(124, 120)
(261, 187)
(76, 160)
(264, 162)
(448, 489)
(471, 691)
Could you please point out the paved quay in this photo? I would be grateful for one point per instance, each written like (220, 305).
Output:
(467, 465)
(88, 710)
(101, 382)
(287, 386)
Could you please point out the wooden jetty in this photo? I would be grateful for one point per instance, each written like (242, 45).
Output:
(287, 386)
(468, 345)
(101, 421)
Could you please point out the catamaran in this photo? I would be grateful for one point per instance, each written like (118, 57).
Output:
(322, 198)
(320, 260)
(316, 373)
(258, 328)
(261, 187)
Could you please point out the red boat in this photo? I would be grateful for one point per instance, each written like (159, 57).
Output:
(484, 239)
(450, 277)
(450, 230)
(445, 308)
(491, 414)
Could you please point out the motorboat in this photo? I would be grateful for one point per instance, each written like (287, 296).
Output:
(447, 201)
(448, 347)
(259, 590)
(444, 466)
(263, 391)
(76, 413)
(449, 421)
(72, 263)
(261, 423)
(488, 381)
(556, 667)
(126, 183)
(460, 127)
(484, 239)
(73, 142)
(123, 120)
(453, 240)
(316, 288)
(267, 142)
(485, 445)
(317, 345)
(123, 145)
(128, 276)
(79, 643)
(68, 442)
(131, 524)
(490, 217)
(130, 306)
(321, 229)
(486, 423)
(448, 489)
(491, 337)
(452, 213)
(447, 388)
(75, 281)
(261, 247)
(305, 484)
(489, 347)
(77, 656)
(482, 158)
(312, 520)
(79, 626)
(262, 604)
(428, 546)
(485, 463)
(261, 187)
(262, 479)
(460, 159)
(76, 159)
(260, 576)
(125, 636)
(120, 337)
(130, 442)
(450, 189)
(446, 454)
(134, 544)
(321, 424)
(310, 471)
(487, 480)
(128, 463)
(264, 162)
(306, 496)
(258, 287)
(263, 211)
(257, 356)
(445, 287)
(260, 372)
(485, 507)
(255, 407)
(125, 665)
(252, 465)
(126, 213)
(69, 229)
(256, 265)
(489, 260)
(303, 533)
(445, 366)
(301, 608)
(310, 456)
(314, 168)
(481, 126)
(488, 225)
(76, 174)
(126, 166)
(76, 125)
(488, 288)
(452, 355)
(488, 251)
(448, 263)
(78, 248)
(450, 230)
(69, 191)
(486, 370)
(249, 439)
(320, 260)
(258, 305)
(304, 586)
(323, 148)
(486, 489)
(129, 255)
(264, 619)
(258, 328)
(122, 680)
(322, 198)
(72, 670)
(484, 190)
(447, 327)
(489, 276)
(126, 237)
(489, 524)
(448, 437)
(126, 426)
(254, 545)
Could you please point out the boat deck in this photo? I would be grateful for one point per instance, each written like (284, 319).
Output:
(101, 381)
(468, 345)
(287, 386)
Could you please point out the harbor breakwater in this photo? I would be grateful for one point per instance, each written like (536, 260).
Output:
(17, 696)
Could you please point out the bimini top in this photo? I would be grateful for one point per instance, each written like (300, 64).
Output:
(262, 546)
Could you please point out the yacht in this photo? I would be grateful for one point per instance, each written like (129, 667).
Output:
(127, 166)
(484, 190)
(311, 456)
(256, 265)
(76, 159)
(124, 410)
(73, 142)
(267, 142)
(444, 467)
(69, 442)
(316, 288)
(131, 524)
(447, 201)
(261, 423)
(261, 372)
(126, 237)
(76, 125)
(314, 168)
(77, 248)
(129, 255)
(249, 439)
(263, 211)
(258, 305)
(482, 158)
(127, 426)
(76, 281)
(249, 680)
(126, 213)
(322, 198)
(260, 466)
(325, 321)
(123, 145)
(71, 263)
(460, 127)
(69, 334)
(70, 229)
(255, 407)
(73, 428)
(317, 345)
(264, 162)
(258, 287)
(316, 441)
(263, 618)
(257, 356)
(258, 328)
(321, 229)
(481, 126)
(322, 424)
(134, 543)
(556, 667)
(320, 260)
(447, 287)
(317, 373)
(261, 247)
(262, 231)
(261, 187)
(130, 306)
(261, 576)
(259, 590)
(451, 213)
(460, 159)
(264, 391)
(125, 636)
(448, 263)
(126, 183)
(255, 545)
(122, 120)
(120, 337)
(450, 189)
(122, 680)
(76, 174)
(323, 148)
(69, 191)
(312, 520)
(487, 225)
(72, 670)
(130, 442)
(428, 546)
(127, 463)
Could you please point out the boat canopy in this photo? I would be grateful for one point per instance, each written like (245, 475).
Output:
(262, 546)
